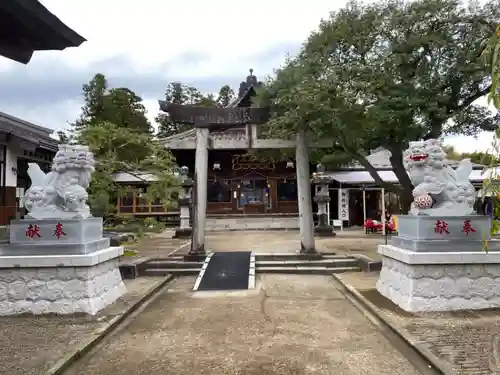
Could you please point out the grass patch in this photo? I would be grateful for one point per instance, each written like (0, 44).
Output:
(129, 253)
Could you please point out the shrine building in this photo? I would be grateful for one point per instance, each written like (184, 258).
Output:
(243, 185)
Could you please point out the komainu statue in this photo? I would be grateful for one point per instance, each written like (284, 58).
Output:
(61, 193)
(439, 190)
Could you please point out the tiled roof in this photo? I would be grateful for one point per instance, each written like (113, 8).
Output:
(30, 27)
(246, 87)
(28, 132)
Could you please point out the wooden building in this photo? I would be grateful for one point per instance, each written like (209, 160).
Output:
(21, 143)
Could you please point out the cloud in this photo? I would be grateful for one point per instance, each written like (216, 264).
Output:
(49, 91)
(144, 45)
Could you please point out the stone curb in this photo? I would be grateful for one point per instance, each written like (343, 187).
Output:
(367, 264)
(435, 361)
(99, 334)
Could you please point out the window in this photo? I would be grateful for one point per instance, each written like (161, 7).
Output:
(287, 190)
(218, 192)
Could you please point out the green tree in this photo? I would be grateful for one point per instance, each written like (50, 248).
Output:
(178, 93)
(119, 106)
(490, 53)
(62, 137)
(107, 141)
(93, 96)
(384, 74)
(484, 158)
(114, 125)
(226, 96)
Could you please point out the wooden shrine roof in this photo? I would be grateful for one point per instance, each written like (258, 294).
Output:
(27, 26)
(25, 134)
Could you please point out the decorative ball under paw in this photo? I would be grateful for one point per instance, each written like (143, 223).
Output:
(423, 201)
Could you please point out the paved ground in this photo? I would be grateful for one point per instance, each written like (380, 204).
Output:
(158, 245)
(31, 345)
(293, 325)
(347, 242)
(468, 341)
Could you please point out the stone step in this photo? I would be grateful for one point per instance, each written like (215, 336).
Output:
(307, 270)
(154, 264)
(170, 271)
(291, 256)
(326, 263)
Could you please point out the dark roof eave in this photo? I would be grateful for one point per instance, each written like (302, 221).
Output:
(33, 17)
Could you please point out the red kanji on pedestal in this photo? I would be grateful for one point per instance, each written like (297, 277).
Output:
(441, 227)
(33, 231)
(58, 232)
(468, 227)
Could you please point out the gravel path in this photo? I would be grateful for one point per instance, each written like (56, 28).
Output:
(30, 345)
(288, 325)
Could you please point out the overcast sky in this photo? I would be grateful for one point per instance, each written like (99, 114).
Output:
(145, 44)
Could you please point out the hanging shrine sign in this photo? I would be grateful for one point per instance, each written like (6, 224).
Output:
(207, 116)
(249, 162)
(343, 204)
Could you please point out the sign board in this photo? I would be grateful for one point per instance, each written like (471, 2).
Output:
(206, 116)
(344, 204)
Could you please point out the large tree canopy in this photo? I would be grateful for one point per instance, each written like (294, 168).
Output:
(113, 123)
(490, 54)
(384, 74)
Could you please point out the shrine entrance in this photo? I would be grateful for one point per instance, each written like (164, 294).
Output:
(253, 196)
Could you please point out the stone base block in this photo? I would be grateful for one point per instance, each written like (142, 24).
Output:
(436, 281)
(324, 231)
(53, 231)
(60, 284)
(62, 248)
(183, 233)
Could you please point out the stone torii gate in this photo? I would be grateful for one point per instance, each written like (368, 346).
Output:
(206, 119)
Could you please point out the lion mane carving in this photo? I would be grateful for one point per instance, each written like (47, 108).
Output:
(451, 191)
(61, 193)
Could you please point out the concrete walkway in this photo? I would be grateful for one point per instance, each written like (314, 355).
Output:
(288, 325)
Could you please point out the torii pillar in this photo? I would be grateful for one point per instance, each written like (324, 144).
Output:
(306, 223)
(200, 207)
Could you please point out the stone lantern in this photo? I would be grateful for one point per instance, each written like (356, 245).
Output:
(322, 198)
(185, 229)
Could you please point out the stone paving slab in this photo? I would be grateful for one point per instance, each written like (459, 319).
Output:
(345, 243)
(467, 341)
(158, 245)
(31, 345)
(289, 324)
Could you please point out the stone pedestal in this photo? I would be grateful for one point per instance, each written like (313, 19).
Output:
(439, 264)
(58, 266)
(184, 230)
(55, 237)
